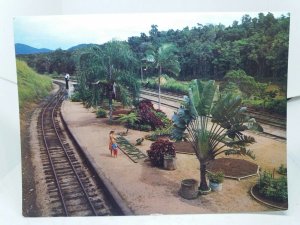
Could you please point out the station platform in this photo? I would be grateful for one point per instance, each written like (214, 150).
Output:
(148, 190)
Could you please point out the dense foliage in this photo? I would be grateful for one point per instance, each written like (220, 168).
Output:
(148, 115)
(258, 45)
(273, 188)
(158, 150)
(282, 169)
(101, 113)
(253, 48)
(167, 84)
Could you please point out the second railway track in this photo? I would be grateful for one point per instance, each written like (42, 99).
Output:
(173, 101)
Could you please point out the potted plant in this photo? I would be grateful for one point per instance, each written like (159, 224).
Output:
(169, 162)
(215, 180)
(162, 154)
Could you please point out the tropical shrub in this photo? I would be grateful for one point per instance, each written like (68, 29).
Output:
(276, 106)
(75, 97)
(245, 83)
(158, 150)
(129, 119)
(215, 126)
(282, 170)
(145, 127)
(147, 114)
(272, 188)
(101, 113)
(164, 131)
(217, 177)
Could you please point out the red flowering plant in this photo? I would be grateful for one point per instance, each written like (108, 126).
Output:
(158, 150)
(147, 113)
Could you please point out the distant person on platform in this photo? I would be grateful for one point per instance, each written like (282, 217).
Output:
(67, 77)
(113, 147)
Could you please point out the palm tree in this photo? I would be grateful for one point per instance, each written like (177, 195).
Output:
(164, 59)
(107, 67)
(214, 125)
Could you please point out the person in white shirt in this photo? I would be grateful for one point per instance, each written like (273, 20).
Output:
(67, 77)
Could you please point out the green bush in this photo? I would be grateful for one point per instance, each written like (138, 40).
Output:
(101, 113)
(245, 83)
(217, 177)
(170, 84)
(75, 97)
(145, 127)
(272, 188)
(282, 170)
(276, 106)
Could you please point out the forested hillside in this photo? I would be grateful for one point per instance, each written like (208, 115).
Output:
(259, 46)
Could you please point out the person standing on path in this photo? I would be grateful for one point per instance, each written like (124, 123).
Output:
(113, 147)
(67, 77)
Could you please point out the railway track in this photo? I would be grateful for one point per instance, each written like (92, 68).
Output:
(173, 101)
(72, 186)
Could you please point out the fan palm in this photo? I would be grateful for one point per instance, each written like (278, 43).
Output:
(214, 125)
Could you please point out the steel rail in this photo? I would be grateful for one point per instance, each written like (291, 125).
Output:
(49, 156)
(69, 160)
(153, 94)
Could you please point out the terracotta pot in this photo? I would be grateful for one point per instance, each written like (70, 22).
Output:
(189, 189)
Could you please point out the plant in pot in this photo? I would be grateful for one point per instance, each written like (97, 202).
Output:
(215, 180)
(161, 151)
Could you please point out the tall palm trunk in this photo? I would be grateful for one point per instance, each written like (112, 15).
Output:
(142, 75)
(203, 184)
(160, 69)
(110, 92)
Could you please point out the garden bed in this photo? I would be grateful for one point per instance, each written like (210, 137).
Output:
(233, 168)
(184, 147)
(267, 201)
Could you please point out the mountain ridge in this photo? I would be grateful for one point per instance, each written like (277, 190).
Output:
(22, 49)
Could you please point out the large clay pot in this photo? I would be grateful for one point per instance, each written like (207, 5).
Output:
(169, 162)
(215, 186)
(189, 189)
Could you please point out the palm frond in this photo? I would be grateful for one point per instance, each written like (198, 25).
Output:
(241, 151)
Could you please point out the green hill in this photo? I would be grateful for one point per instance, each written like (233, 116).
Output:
(31, 86)
(21, 49)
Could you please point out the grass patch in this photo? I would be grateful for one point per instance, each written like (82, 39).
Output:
(168, 84)
(31, 86)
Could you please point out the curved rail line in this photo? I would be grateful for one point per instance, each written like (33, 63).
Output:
(173, 101)
(70, 189)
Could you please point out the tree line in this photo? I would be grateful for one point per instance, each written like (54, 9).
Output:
(258, 45)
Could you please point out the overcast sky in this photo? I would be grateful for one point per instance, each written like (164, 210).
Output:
(66, 31)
